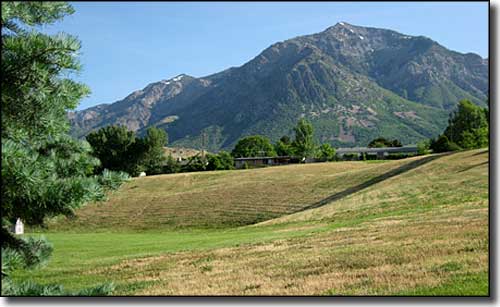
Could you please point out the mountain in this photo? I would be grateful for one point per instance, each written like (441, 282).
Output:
(353, 83)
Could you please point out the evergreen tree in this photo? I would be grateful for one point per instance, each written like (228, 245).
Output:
(45, 172)
(151, 150)
(35, 92)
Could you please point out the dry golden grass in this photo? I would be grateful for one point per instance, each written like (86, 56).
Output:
(380, 258)
(222, 199)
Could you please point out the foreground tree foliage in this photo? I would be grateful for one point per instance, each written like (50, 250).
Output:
(45, 172)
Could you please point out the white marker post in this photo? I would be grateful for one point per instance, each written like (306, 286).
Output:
(19, 229)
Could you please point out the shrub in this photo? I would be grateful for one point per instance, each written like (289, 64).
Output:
(382, 142)
(423, 147)
(195, 164)
(350, 157)
(171, 166)
(325, 153)
(442, 144)
(221, 161)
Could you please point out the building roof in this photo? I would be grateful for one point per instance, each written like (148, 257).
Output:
(261, 158)
(376, 150)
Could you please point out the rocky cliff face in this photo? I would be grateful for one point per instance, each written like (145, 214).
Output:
(353, 83)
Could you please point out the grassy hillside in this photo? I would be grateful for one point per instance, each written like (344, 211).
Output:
(410, 227)
(224, 199)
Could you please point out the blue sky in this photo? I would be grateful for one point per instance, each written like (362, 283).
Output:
(126, 46)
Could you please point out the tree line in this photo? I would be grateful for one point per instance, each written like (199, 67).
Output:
(302, 146)
(120, 150)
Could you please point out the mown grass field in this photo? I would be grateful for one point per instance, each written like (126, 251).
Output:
(417, 226)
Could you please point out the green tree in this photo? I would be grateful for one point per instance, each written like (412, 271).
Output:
(151, 150)
(116, 148)
(120, 149)
(171, 166)
(286, 140)
(196, 163)
(253, 146)
(468, 126)
(45, 172)
(222, 161)
(443, 144)
(284, 146)
(326, 152)
(303, 145)
(423, 147)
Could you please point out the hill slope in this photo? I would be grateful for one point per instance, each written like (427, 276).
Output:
(354, 83)
(410, 227)
(222, 199)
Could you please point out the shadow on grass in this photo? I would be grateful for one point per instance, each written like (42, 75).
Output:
(398, 171)
(472, 166)
(480, 153)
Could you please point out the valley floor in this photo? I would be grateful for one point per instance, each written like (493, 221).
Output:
(417, 226)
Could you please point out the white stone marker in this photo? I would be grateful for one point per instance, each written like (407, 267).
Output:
(19, 230)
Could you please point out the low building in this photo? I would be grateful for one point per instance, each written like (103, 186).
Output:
(380, 152)
(262, 161)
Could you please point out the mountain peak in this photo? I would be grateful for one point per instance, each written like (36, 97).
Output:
(343, 24)
(341, 28)
(178, 78)
(350, 81)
